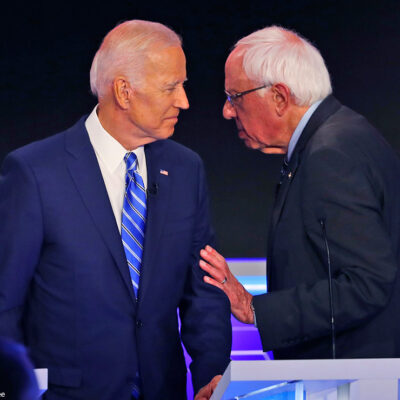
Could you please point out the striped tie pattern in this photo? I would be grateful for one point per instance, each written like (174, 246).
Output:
(133, 219)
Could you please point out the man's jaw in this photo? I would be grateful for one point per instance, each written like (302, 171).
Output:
(248, 140)
(254, 145)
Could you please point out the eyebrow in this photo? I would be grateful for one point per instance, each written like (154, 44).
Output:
(175, 83)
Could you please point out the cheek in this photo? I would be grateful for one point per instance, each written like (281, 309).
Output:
(153, 116)
(162, 110)
(252, 126)
(261, 126)
(247, 116)
(151, 111)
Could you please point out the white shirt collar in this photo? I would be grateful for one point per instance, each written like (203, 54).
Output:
(108, 149)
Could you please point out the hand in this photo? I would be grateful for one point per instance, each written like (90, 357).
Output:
(206, 391)
(222, 278)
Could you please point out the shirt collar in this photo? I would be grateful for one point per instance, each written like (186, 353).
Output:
(108, 149)
(300, 127)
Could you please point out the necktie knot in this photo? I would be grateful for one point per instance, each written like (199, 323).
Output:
(131, 161)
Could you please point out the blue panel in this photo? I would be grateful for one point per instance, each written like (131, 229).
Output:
(276, 392)
(253, 284)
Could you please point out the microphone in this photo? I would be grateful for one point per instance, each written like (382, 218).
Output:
(152, 189)
(328, 257)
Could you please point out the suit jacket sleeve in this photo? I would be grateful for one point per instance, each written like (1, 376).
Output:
(204, 311)
(346, 194)
(21, 239)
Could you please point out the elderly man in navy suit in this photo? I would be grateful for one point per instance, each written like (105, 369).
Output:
(334, 240)
(101, 230)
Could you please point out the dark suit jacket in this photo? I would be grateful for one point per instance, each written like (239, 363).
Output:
(345, 174)
(65, 289)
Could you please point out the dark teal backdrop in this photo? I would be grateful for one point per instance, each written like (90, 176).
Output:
(46, 53)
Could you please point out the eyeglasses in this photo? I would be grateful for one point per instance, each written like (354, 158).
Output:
(232, 97)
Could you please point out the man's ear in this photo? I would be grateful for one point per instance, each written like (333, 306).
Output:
(122, 92)
(281, 98)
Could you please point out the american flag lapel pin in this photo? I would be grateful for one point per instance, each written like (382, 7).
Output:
(163, 172)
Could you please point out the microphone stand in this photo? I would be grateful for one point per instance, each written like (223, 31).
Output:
(332, 321)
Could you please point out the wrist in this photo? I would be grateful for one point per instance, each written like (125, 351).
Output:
(253, 312)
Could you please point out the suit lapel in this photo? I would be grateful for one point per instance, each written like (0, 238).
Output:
(86, 174)
(158, 190)
(283, 191)
(329, 106)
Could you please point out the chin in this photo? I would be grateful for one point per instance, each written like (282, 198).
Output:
(166, 134)
(252, 145)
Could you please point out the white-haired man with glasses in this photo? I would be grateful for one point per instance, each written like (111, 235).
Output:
(334, 239)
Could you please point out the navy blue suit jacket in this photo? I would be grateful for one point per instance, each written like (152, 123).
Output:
(342, 172)
(65, 289)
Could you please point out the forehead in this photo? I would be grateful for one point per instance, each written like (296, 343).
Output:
(168, 62)
(235, 76)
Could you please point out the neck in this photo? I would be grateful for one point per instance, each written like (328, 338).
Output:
(289, 123)
(114, 120)
(295, 116)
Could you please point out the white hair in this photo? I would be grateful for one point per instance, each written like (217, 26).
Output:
(123, 51)
(278, 55)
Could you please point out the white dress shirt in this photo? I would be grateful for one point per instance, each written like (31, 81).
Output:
(110, 156)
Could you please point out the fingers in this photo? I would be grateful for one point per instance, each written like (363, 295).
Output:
(201, 396)
(214, 272)
(214, 382)
(216, 265)
(215, 281)
(215, 253)
(213, 257)
(217, 268)
(206, 391)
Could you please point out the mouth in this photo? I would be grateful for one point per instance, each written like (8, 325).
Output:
(173, 119)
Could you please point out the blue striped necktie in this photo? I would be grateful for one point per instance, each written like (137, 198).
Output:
(133, 219)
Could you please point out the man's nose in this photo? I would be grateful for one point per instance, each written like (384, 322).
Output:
(181, 100)
(228, 111)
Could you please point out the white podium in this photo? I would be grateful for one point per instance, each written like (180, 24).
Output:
(353, 379)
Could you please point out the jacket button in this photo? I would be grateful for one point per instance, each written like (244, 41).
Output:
(139, 323)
